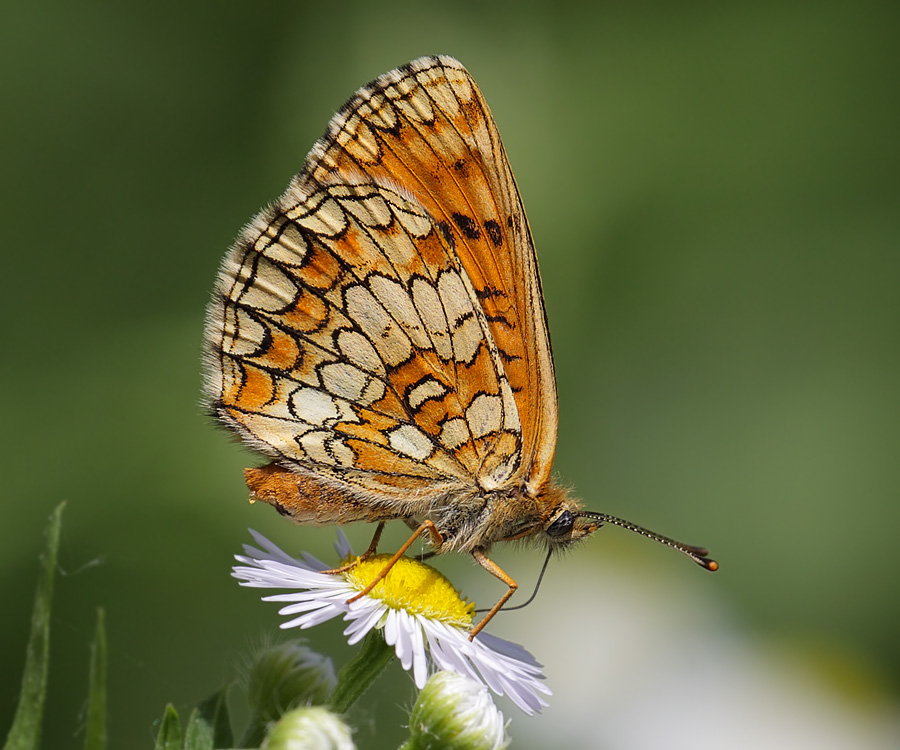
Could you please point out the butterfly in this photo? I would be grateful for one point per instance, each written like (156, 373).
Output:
(379, 332)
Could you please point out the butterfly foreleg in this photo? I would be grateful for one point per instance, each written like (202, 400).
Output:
(423, 556)
(436, 540)
(373, 547)
(495, 570)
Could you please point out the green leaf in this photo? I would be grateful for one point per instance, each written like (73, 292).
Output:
(95, 729)
(169, 737)
(25, 733)
(214, 711)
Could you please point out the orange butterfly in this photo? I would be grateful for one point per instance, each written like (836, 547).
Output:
(380, 332)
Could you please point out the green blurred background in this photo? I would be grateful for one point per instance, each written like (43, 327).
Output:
(714, 194)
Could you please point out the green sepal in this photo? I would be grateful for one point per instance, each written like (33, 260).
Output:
(199, 734)
(210, 724)
(169, 737)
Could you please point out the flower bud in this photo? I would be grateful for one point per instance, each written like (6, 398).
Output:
(454, 712)
(309, 729)
(285, 676)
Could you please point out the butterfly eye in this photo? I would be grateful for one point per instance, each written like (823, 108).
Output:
(562, 525)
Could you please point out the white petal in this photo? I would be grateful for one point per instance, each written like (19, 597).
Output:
(508, 649)
(453, 645)
(314, 563)
(342, 546)
(359, 627)
(390, 627)
(404, 641)
(420, 662)
(323, 615)
(445, 659)
(294, 609)
(311, 619)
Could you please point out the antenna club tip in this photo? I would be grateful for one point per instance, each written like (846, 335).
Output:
(711, 565)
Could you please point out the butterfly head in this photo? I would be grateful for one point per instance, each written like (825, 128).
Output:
(562, 523)
(567, 527)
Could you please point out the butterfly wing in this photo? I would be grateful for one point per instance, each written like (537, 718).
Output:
(426, 127)
(345, 340)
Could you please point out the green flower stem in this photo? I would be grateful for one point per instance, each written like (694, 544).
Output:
(358, 674)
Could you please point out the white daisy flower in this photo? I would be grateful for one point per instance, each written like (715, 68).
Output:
(419, 612)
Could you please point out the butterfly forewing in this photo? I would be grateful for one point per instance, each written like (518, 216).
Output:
(426, 127)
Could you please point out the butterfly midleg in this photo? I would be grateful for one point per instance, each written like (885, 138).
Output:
(495, 570)
(365, 555)
(436, 540)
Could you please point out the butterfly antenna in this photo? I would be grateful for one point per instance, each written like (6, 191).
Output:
(533, 593)
(699, 555)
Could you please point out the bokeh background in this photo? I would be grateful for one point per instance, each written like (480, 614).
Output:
(714, 194)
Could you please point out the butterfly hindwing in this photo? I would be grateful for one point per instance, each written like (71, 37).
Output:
(349, 340)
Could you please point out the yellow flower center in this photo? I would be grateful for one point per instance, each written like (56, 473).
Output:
(414, 586)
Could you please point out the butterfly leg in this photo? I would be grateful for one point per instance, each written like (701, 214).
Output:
(422, 556)
(373, 546)
(436, 540)
(495, 570)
